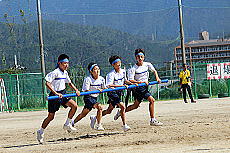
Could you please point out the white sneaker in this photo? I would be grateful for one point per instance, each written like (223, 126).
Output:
(126, 128)
(92, 121)
(117, 115)
(40, 136)
(99, 127)
(155, 123)
(69, 128)
(72, 123)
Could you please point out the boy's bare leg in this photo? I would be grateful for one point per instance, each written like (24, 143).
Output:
(84, 112)
(40, 132)
(108, 110)
(99, 112)
(151, 106)
(153, 120)
(47, 120)
(122, 112)
(135, 105)
(73, 105)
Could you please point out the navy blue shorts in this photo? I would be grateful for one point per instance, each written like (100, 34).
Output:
(114, 97)
(141, 93)
(89, 102)
(54, 104)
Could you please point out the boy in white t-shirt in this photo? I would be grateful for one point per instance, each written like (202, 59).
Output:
(93, 82)
(139, 74)
(55, 82)
(116, 78)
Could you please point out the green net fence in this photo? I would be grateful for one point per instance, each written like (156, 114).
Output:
(204, 87)
(25, 92)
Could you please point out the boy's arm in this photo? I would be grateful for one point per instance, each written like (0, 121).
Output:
(110, 80)
(113, 85)
(74, 88)
(49, 86)
(150, 66)
(131, 74)
(103, 86)
(157, 77)
(137, 82)
(130, 83)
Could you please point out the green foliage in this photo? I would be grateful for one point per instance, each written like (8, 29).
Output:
(202, 88)
(11, 71)
(217, 86)
(84, 44)
(170, 93)
(31, 102)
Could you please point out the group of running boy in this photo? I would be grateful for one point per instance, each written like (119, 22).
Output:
(57, 79)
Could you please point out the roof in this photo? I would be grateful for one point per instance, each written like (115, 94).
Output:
(211, 42)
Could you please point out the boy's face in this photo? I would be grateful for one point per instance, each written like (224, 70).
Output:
(117, 65)
(140, 58)
(63, 65)
(95, 71)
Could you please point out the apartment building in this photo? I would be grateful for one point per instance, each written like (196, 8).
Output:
(204, 50)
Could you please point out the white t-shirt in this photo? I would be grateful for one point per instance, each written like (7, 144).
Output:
(115, 78)
(140, 73)
(91, 84)
(58, 79)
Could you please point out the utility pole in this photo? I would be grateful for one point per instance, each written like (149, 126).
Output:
(42, 59)
(181, 32)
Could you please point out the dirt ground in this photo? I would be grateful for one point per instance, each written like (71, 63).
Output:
(200, 127)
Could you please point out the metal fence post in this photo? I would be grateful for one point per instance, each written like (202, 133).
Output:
(158, 92)
(195, 82)
(18, 91)
(103, 98)
(210, 87)
(11, 92)
(228, 83)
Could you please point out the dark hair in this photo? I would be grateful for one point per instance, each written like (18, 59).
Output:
(113, 58)
(183, 65)
(90, 64)
(62, 56)
(139, 50)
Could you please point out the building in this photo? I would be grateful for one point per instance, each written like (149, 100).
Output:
(204, 50)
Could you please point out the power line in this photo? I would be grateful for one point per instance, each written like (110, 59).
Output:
(118, 13)
(197, 7)
(121, 13)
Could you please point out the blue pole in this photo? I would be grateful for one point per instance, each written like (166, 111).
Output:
(106, 90)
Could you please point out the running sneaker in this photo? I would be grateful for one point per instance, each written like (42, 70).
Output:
(117, 115)
(72, 122)
(126, 128)
(40, 136)
(69, 128)
(155, 123)
(92, 121)
(193, 101)
(99, 127)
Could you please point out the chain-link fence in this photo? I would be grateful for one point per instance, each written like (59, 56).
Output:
(24, 91)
